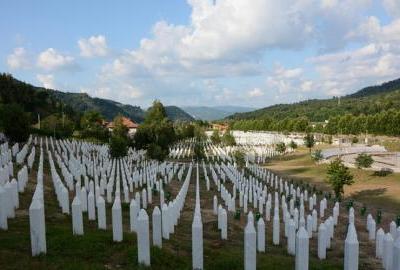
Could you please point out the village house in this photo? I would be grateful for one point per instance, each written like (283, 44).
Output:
(132, 126)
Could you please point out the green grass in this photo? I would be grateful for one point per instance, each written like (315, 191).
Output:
(373, 191)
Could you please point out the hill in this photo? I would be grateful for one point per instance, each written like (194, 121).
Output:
(47, 101)
(368, 101)
(214, 113)
(34, 100)
(177, 114)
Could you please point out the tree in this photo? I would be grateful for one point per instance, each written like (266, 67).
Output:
(339, 176)
(280, 147)
(215, 138)
(364, 160)
(58, 126)
(309, 141)
(293, 145)
(92, 127)
(228, 139)
(119, 128)
(119, 139)
(317, 155)
(156, 134)
(198, 151)
(239, 158)
(14, 122)
(118, 146)
(156, 113)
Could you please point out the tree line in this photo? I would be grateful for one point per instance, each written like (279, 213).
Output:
(382, 123)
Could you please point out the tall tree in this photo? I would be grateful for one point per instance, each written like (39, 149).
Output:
(156, 134)
(339, 176)
(309, 141)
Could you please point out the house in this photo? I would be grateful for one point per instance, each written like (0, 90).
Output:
(132, 126)
(220, 127)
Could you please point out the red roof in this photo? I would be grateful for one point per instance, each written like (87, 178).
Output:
(126, 122)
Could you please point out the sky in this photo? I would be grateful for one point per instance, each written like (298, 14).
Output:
(202, 52)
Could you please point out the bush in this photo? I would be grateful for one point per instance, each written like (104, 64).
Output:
(293, 145)
(155, 151)
(228, 139)
(317, 155)
(215, 138)
(118, 146)
(239, 158)
(339, 176)
(280, 148)
(383, 172)
(364, 161)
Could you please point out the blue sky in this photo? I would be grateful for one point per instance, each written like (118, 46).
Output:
(202, 52)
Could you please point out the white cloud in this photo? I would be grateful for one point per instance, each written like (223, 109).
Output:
(47, 80)
(50, 59)
(93, 46)
(256, 92)
(392, 7)
(18, 59)
(228, 37)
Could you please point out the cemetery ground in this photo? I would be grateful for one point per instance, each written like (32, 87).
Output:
(96, 249)
(375, 192)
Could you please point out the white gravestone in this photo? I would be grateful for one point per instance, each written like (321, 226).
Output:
(143, 238)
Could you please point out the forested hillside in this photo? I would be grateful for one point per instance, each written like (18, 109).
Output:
(374, 109)
(48, 101)
(34, 100)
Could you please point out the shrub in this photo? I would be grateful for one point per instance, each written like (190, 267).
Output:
(317, 155)
(339, 176)
(118, 146)
(364, 161)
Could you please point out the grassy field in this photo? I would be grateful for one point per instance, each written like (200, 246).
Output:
(373, 191)
(96, 250)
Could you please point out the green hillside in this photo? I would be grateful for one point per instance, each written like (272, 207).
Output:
(48, 101)
(34, 100)
(370, 100)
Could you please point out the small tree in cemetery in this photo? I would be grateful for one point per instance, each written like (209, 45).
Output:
(309, 141)
(118, 146)
(156, 133)
(228, 139)
(280, 148)
(339, 176)
(119, 139)
(364, 160)
(293, 145)
(317, 155)
(239, 158)
(215, 138)
(198, 151)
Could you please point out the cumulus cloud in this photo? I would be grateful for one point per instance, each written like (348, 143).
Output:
(228, 37)
(18, 59)
(392, 7)
(93, 46)
(47, 80)
(50, 59)
(256, 92)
